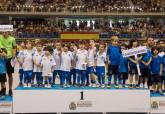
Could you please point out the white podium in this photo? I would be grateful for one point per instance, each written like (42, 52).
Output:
(80, 100)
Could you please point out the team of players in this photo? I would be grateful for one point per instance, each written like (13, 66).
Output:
(79, 65)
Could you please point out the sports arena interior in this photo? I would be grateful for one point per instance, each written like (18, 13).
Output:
(53, 25)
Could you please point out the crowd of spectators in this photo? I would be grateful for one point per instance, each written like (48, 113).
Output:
(140, 28)
(83, 5)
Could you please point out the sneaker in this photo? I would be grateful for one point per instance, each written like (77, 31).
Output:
(10, 92)
(46, 85)
(68, 85)
(103, 86)
(25, 85)
(116, 86)
(146, 86)
(65, 85)
(29, 85)
(120, 86)
(2, 97)
(137, 86)
(141, 85)
(108, 86)
(49, 86)
(87, 84)
(97, 85)
(163, 93)
(160, 92)
(94, 85)
(125, 86)
(130, 86)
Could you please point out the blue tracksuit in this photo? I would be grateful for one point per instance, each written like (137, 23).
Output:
(113, 53)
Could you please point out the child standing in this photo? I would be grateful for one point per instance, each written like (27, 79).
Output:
(123, 68)
(133, 66)
(66, 63)
(156, 70)
(3, 55)
(20, 61)
(56, 56)
(101, 65)
(81, 64)
(48, 65)
(73, 49)
(163, 73)
(28, 64)
(37, 70)
(91, 59)
(113, 53)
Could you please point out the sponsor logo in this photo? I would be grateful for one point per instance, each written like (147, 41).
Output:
(5, 104)
(72, 106)
(84, 104)
(154, 105)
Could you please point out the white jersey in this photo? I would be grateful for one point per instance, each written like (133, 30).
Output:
(101, 59)
(81, 57)
(34, 49)
(91, 56)
(66, 60)
(37, 57)
(27, 60)
(47, 63)
(56, 57)
(74, 59)
(20, 58)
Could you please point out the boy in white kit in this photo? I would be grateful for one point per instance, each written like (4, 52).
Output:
(20, 61)
(101, 65)
(66, 63)
(27, 64)
(37, 70)
(48, 64)
(56, 56)
(91, 59)
(81, 64)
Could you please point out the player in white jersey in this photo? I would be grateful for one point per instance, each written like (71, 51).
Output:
(101, 65)
(37, 70)
(20, 61)
(56, 56)
(81, 64)
(48, 64)
(72, 77)
(65, 67)
(27, 64)
(91, 67)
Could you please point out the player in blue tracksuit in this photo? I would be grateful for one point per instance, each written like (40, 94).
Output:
(113, 55)
(156, 70)
(163, 73)
(123, 68)
(3, 80)
(145, 69)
